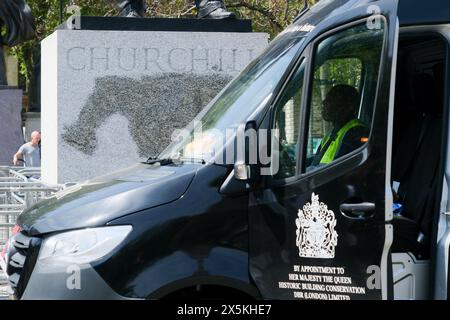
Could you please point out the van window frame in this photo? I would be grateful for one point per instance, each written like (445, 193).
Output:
(308, 56)
(275, 105)
(305, 124)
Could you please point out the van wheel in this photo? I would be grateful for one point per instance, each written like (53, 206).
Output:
(207, 292)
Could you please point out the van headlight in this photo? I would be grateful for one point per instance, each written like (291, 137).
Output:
(81, 246)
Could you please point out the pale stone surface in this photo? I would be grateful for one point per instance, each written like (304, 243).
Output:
(117, 96)
(115, 146)
(173, 100)
(10, 123)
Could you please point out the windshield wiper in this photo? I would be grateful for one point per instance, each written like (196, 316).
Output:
(199, 160)
(167, 161)
(163, 161)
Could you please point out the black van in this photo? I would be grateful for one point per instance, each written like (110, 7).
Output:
(358, 211)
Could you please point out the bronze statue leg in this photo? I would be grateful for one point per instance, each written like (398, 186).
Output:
(16, 16)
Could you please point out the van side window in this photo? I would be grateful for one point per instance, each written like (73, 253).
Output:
(287, 125)
(346, 67)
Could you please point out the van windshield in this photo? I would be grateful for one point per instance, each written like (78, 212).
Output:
(245, 95)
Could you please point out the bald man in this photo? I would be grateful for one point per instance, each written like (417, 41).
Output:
(29, 153)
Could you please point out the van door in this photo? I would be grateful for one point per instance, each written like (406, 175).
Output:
(320, 229)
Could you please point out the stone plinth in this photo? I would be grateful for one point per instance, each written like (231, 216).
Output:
(112, 98)
(10, 123)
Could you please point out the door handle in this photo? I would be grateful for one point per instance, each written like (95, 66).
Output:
(359, 211)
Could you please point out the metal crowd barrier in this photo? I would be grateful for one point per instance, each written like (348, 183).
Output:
(20, 188)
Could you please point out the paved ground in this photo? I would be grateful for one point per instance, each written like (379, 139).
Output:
(3, 287)
(3, 292)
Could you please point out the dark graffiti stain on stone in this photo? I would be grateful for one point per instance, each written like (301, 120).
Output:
(155, 106)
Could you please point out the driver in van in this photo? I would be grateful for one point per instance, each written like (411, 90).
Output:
(340, 107)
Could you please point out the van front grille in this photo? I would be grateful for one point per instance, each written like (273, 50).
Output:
(21, 258)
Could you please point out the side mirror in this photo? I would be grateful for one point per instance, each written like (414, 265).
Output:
(241, 171)
(242, 165)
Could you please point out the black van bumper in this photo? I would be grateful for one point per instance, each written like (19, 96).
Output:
(77, 283)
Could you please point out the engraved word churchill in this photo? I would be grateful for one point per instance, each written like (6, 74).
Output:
(157, 59)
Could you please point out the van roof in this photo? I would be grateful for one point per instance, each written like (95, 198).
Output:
(417, 12)
(410, 12)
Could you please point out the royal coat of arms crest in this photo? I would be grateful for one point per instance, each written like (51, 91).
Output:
(316, 236)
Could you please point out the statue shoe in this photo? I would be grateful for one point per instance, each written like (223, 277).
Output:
(133, 9)
(220, 13)
(212, 9)
(133, 14)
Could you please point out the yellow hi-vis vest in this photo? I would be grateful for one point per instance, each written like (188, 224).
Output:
(335, 145)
